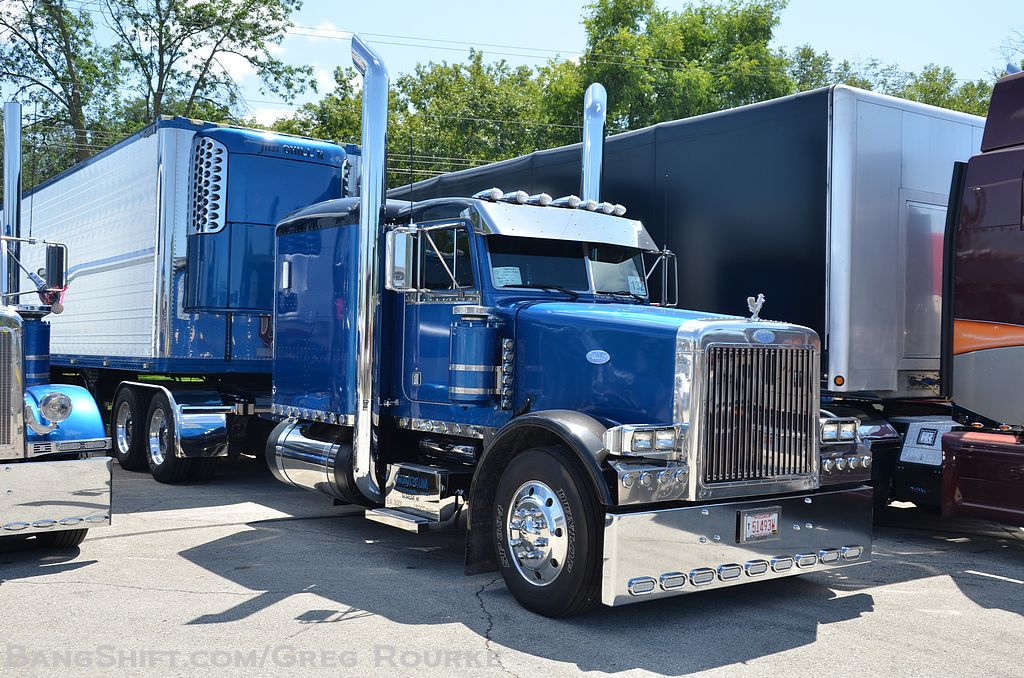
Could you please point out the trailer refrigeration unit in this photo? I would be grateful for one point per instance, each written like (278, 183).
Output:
(54, 471)
(173, 233)
(982, 462)
(832, 203)
(496, 360)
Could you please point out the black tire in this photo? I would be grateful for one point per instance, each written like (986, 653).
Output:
(161, 445)
(127, 437)
(203, 469)
(65, 539)
(575, 585)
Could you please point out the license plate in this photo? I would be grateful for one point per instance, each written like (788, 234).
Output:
(759, 524)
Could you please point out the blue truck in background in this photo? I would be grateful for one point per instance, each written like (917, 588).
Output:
(496, 361)
(172, 282)
(55, 476)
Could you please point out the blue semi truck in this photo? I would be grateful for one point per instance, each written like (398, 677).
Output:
(496, 361)
(55, 475)
(169, 319)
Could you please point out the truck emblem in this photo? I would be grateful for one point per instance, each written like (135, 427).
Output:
(763, 336)
(755, 306)
(598, 357)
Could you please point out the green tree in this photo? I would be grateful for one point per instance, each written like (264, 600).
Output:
(50, 55)
(178, 51)
(663, 65)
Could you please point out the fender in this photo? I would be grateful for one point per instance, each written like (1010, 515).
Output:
(83, 431)
(580, 433)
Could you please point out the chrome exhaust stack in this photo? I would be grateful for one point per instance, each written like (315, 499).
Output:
(595, 108)
(12, 196)
(371, 201)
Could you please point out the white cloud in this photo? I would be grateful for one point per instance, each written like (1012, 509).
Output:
(237, 66)
(324, 81)
(267, 115)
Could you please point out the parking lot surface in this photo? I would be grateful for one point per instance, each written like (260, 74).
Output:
(243, 576)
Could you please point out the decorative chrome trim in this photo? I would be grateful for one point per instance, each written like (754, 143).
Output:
(782, 563)
(465, 390)
(826, 556)
(313, 415)
(702, 576)
(33, 423)
(641, 586)
(729, 571)
(805, 560)
(208, 183)
(12, 386)
(755, 568)
(448, 428)
(456, 367)
(851, 552)
(671, 581)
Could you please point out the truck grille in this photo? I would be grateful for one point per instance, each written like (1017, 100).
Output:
(209, 184)
(759, 419)
(7, 368)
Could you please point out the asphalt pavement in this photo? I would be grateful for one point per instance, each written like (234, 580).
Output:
(240, 575)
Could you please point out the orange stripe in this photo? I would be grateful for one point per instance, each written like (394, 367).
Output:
(976, 335)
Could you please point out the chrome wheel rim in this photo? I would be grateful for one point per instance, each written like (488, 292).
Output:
(536, 533)
(123, 428)
(158, 437)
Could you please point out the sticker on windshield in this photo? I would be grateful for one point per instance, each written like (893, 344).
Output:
(636, 285)
(507, 275)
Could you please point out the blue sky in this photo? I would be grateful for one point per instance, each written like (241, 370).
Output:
(910, 33)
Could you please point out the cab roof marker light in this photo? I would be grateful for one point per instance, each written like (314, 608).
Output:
(515, 197)
(589, 205)
(539, 199)
(619, 210)
(491, 194)
(606, 208)
(568, 201)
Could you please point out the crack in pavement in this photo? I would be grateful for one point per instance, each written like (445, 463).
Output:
(488, 641)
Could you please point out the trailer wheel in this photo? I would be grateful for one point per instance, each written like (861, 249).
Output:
(65, 539)
(126, 420)
(547, 536)
(164, 464)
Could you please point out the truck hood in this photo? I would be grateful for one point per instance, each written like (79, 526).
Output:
(618, 362)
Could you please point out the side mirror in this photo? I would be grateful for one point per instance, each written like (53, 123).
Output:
(399, 255)
(668, 287)
(56, 267)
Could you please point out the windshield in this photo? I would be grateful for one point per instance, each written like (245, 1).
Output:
(536, 262)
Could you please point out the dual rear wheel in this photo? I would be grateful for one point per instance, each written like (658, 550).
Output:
(144, 437)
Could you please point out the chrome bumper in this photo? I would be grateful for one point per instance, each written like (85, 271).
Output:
(47, 496)
(669, 552)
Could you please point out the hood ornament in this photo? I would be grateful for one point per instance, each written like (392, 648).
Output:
(755, 306)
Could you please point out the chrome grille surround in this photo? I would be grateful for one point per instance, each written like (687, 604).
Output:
(12, 380)
(748, 434)
(209, 182)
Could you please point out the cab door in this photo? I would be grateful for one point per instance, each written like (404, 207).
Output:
(445, 277)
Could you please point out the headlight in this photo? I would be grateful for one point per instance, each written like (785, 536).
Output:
(848, 430)
(829, 432)
(836, 430)
(55, 407)
(645, 441)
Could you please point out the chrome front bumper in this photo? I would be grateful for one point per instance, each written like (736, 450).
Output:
(654, 554)
(48, 496)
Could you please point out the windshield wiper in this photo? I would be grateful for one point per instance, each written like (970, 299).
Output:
(538, 286)
(623, 293)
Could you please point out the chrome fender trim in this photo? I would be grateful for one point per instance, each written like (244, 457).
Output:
(200, 420)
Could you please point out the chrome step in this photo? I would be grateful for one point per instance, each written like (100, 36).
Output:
(400, 519)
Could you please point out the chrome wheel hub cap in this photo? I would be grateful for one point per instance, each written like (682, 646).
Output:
(123, 428)
(158, 437)
(536, 532)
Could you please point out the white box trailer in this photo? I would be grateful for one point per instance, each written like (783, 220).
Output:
(168, 313)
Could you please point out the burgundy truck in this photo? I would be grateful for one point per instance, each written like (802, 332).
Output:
(983, 333)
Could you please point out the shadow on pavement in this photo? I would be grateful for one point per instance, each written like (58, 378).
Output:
(20, 559)
(359, 568)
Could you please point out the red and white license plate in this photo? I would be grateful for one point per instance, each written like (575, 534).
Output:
(759, 524)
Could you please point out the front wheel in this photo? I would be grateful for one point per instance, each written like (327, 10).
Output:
(162, 443)
(64, 539)
(547, 535)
